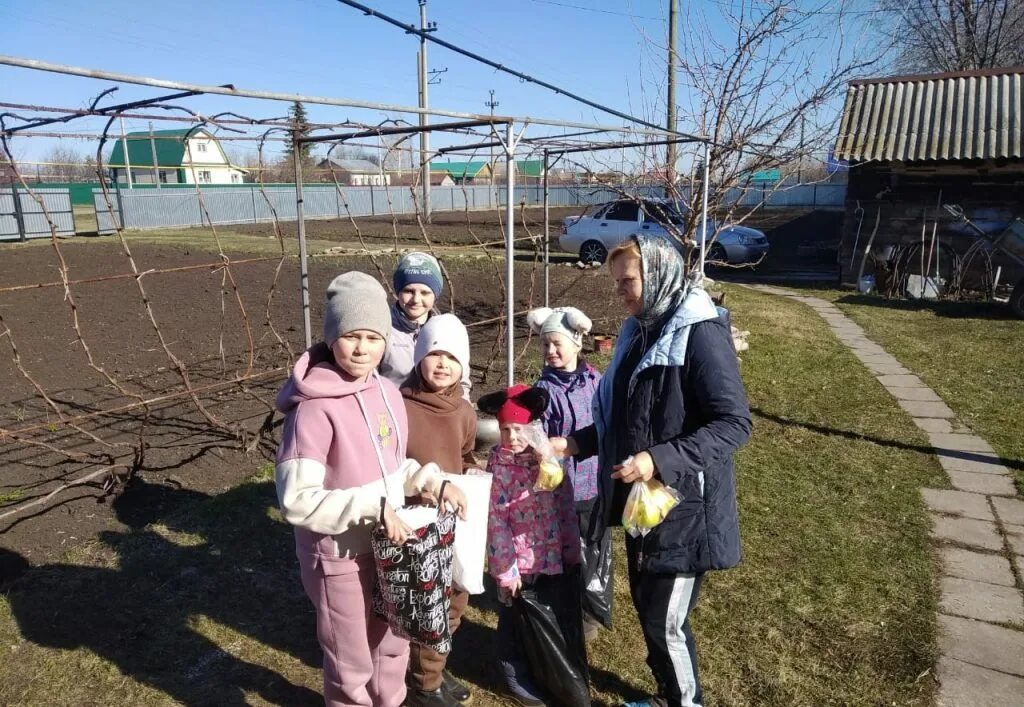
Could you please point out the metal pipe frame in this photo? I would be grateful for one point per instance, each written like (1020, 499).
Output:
(510, 230)
(410, 130)
(498, 143)
(38, 65)
(105, 111)
(704, 208)
(621, 145)
(547, 236)
(303, 255)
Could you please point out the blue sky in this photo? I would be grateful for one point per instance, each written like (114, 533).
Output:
(607, 50)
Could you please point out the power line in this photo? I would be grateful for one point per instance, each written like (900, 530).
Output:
(599, 10)
(424, 35)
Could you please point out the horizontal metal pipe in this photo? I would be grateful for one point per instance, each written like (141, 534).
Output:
(410, 130)
(620, 145)
(39, 65)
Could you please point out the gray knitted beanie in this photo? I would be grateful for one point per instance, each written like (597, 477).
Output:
(355, 301)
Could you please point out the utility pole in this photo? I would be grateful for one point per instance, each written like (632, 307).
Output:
(492, 104)
(424, 136)
(670, 152)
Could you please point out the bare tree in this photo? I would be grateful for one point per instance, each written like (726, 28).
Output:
(356, 152)
(396, 153)
(955, 35)
(66, 164)
(767, 93)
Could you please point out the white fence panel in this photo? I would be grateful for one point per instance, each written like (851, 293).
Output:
(26, 217)
(354, 201)
(229, 205)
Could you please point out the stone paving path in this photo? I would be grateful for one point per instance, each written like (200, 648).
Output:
(978, 528)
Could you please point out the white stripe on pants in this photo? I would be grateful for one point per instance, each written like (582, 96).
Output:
(663, 603)
(675, 639)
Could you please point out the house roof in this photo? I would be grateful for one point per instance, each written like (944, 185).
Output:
(459, 170)
(354, 166)
(170, 152)
(966, 115)
(530, 168)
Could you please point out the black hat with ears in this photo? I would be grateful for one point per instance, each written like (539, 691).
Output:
(520, 403)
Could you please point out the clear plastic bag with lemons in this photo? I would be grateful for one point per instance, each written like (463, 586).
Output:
(550, 474)
(648, 505)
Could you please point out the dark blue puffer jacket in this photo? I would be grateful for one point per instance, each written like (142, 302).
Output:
(687, 407)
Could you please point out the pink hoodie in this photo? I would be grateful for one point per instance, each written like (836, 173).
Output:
(340, 440)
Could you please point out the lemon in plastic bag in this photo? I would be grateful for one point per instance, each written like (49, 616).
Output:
(647, 505)
(550, 474)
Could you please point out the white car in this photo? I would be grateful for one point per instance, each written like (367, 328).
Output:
(603, 227)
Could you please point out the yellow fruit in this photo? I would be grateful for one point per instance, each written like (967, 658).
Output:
(664, 500)
(550, 475)
(647, 516)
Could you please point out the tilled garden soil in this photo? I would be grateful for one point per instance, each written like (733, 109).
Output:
(115, 359)
(447, 228)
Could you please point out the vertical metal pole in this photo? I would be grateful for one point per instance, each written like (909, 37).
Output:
(424, 136)
(19, 214)
(547, 237)
(119, 223)
(670, 156)
(704, 208)
(492, 104)
(152, 149)
(800, 164)
(303, 263)
(510, 231)
(127, 162)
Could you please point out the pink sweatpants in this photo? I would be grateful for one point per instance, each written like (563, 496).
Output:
(364, 662)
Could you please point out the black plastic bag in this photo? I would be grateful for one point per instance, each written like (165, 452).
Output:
(598, 583)
(549, 626)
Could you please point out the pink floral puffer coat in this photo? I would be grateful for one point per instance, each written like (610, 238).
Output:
(528, 532)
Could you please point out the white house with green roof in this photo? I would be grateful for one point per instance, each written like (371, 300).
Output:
(186, 156)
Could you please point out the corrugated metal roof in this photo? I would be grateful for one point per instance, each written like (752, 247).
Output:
(169, 152)
(355, 166)
(458, 170)
(959, 116)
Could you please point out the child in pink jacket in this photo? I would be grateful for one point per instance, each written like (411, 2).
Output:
(345, 431)
(529, 533)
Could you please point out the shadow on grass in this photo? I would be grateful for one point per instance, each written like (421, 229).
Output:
(210, 563)
(951, 310)
(201, 585)
(924, 449)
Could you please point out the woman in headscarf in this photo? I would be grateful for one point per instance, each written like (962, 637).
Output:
(671, 406)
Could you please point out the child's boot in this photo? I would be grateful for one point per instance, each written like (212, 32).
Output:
(429, 698)
(520, 687)
(455, 689)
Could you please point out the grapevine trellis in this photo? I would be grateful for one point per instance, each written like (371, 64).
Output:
(105, 443)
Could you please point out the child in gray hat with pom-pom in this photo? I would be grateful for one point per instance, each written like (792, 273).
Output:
(345, 430)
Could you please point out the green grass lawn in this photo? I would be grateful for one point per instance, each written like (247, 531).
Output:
(971, 355)
(834, 603)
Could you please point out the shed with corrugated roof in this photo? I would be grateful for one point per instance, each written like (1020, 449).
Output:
(916, 144)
